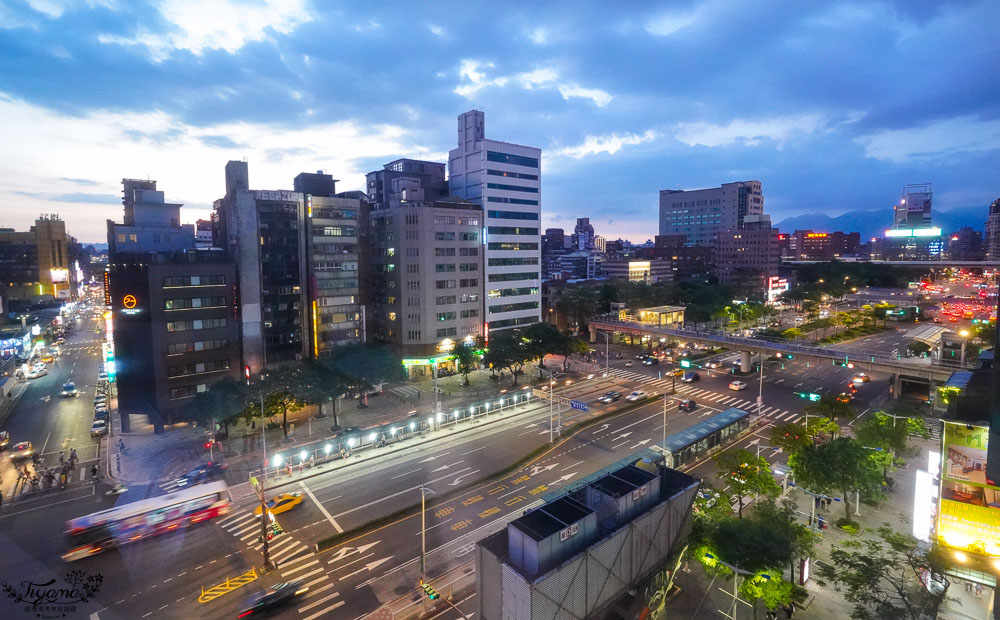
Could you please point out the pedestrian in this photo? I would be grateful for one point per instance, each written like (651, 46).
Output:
(772, 614)
(62, 457)
(822, 524)
(300, 466)
(979, 590)
(93, 473)
(789, 610)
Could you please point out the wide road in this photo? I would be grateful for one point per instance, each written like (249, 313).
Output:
(164, 577)
(54, 424)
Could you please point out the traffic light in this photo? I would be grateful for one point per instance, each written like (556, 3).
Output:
(844, 364)
(808, 395)
(208, 444)
(276, 528)
(789, 356)
(429, 591)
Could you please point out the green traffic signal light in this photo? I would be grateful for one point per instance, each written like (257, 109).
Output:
(429, 591)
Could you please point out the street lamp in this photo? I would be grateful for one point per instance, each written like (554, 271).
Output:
(965, 338)
(423, 530)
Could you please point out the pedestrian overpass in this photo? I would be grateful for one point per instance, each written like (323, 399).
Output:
(923, 371)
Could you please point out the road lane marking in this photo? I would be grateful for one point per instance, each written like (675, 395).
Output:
(406, 474)
(320, 602)
(298, 568)
(398, 493)
(434, 526)
(471, 451)
(326, 514)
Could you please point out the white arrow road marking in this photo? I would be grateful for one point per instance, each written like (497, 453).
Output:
(346, 551)
(603, 428)
(369, 566)
(458, 480)
(753, 443)
(566, 476)
(537, 469)
(444, 467)
(641, 443)
(436, 456)
(622, 436)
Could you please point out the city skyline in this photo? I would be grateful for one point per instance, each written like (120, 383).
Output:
(839, 108)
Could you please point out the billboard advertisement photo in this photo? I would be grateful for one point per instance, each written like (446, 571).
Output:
(969, 510)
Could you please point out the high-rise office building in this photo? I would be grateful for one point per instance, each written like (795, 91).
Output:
(36, 265)
(702, 213)
(263, 233)
(149, 224)
(583, 234)
(746, 257)
(505, 180)
(335, 232)
(914, 208)
(993, 232)
(599, 243)
(426, 275)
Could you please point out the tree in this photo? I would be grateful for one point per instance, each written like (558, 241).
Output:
(884, 577)
(569, 344)
(466, 359)
(790, 437)
(917, 347)
(986, 334)
(363, 365)
(542, 339)
(828, 407)
(792, 333)
(842, 464)
(746, 474)
(223, 401)
(508, 350)
(889, 433)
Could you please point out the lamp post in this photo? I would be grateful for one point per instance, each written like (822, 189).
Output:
(965, 338)
(607, 353)
(423, 530)
(736, 573)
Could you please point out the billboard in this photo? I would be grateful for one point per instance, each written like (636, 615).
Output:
(969, 508)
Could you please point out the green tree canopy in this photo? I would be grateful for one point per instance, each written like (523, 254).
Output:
(881, 576)
(828, 407)
(466, 359)
(746, 474)
(840, 465)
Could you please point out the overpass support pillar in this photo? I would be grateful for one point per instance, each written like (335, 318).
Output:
(897, 386)
(593, 334)
(745, 361)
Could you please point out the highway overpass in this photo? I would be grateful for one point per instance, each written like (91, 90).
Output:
(914, 370)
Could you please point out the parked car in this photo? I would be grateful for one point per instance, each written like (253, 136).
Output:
(100, 413)
(99, 428)
(687, 405)
(100, 398)
(636, 395)
(737, 386)
(610, 397)
(690, 377)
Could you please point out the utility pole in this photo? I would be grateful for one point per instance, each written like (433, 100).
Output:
(265, 516)
(607, 354)
(423, 531)
(664, 423)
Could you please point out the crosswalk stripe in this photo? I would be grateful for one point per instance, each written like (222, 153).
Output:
(311, 574)
(289, 562)
(239, 516)
(317, 590)
(240, 524)
(289, 549)
(243, 528)
(298, 568)
(252, 533)
(315, 581)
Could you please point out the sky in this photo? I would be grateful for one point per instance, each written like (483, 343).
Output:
(833, 106)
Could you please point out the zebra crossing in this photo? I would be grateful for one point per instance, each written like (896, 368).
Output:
(90, 349)
(776, 414)
(294, 559)
(406, 391)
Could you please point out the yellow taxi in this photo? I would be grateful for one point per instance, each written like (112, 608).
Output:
(48, 359)
(281, 503)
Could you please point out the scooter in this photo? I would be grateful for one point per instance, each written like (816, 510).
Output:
(116, 490)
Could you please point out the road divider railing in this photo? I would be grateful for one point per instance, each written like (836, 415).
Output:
(332, 541)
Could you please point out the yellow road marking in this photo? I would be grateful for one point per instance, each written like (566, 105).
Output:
(521, 479)
(489, 512)
(514, 500)
(539, 489)
(502, 487)
(224, 588)
(472, 500)
(461, 525)
(444, 512)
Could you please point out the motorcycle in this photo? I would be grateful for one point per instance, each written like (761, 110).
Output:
(116, 490)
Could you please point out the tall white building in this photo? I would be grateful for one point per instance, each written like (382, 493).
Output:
(702, 214)
(505, 179)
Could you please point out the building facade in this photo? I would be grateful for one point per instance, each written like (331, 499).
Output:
(336, 227)
(175, 328)
(748, 256)
(36, 265)
(992, 237)
(701, 214)
(643, 271)
(505, 180)
(150, 224)
(427, 283)
(262, 231)
(914, 208)
(820, 246)
(429, 175)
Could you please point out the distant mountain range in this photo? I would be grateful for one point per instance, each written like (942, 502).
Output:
(873, 223)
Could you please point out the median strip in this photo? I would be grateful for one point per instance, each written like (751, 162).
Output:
(224, 588)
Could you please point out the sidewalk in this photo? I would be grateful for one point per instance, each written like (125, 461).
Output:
(700, 597)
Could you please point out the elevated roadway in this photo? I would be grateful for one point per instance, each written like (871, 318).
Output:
(906, 369)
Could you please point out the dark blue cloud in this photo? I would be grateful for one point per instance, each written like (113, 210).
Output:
(851, 70)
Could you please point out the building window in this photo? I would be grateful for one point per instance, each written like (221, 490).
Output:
(200, 345)
(524, 305)
(468, 251)
(511, 230)
(512, 188)
(511, 277)
(442, 268)
(465, 283)
(512, 215)
(412, 268)
(468, 236)
(184, 370)
(440, 284)
(132, 238)
(440, 220)
(504, 245)
(468, 267)
(507, 262)
(121, 237)
(447, 331)
(444, 300)
(512, 175)
(444, 251)
(182, 326)
(468, 221)
(445, 316)
(194, 302)
(444, 236)
(517, 160)
(179, 281)
(469, 314)
(512, 201)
